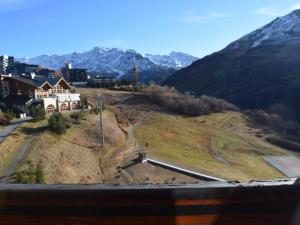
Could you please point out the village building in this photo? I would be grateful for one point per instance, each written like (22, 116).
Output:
(74, 76)
(6, 64)
(24, 68)
(98, 81)
(20, 92)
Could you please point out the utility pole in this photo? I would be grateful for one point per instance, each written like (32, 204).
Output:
(101, 121)
(134, 75)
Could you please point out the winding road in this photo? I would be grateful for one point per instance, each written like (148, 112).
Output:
(10, 128)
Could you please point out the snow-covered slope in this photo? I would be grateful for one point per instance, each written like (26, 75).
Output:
(282, 29)
(116, 61)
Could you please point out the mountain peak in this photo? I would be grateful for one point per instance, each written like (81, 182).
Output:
(282, 29)
(100, 49)
(175, 53)
(116, 61)
(296, 12)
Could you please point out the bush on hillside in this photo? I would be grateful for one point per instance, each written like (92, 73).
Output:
(57, 123)
(273, 121)
(39, 173)
(78, 116)
(186, 104)
(37, 113)
(31, 174)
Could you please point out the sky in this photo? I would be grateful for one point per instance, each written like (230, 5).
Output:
(197, 27)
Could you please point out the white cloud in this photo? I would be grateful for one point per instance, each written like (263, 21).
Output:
(193, 17)
(268, 11)
(277, 10)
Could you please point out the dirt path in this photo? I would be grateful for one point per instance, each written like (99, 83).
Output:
(220, 124)
(213, 152)
(131, 147)
(252, 143)
(111, 160)
(10, 128)
(19, 157)
(21, 153)
(143, 118)
(125, 155)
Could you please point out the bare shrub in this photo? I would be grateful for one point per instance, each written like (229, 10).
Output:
(186, 104)
(120, 116)
(273, 121)
(76, 117)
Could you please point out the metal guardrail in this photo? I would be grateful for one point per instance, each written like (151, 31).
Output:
(182, 170)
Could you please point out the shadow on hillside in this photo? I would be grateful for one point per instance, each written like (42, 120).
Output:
(34, 131)
(92, 147)
(278, 138)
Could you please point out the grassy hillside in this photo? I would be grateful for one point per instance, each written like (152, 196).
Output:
(77, 157)
(74, 157)
(219, 144)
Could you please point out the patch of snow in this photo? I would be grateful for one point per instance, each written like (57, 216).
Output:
(282, 29)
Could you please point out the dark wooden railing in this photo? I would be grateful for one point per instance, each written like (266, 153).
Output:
(212, 203)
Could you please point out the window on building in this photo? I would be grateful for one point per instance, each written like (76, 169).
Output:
(50, 109)
(74, 106)
(64, 107)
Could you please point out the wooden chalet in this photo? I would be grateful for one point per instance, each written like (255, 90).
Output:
(20, 92)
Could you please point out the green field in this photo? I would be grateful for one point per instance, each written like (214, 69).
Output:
(220, 144)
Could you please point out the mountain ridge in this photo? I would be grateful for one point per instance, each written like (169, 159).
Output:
(259, 70)
(118, 62)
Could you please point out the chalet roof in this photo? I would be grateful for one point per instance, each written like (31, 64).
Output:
(37, 81)
(51, 80)
(26, 80)
(17, 100)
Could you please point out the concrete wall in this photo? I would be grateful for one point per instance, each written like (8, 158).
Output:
(50, 101)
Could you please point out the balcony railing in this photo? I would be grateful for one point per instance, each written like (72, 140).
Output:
(273, 203)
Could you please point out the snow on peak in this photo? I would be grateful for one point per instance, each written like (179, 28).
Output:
(100, 49)
(114, 60)
(279, 30)
(175, 60)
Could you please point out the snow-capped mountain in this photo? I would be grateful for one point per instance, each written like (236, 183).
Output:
(259, 70)
(282, 29)
(118, 62)
(176, 60)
